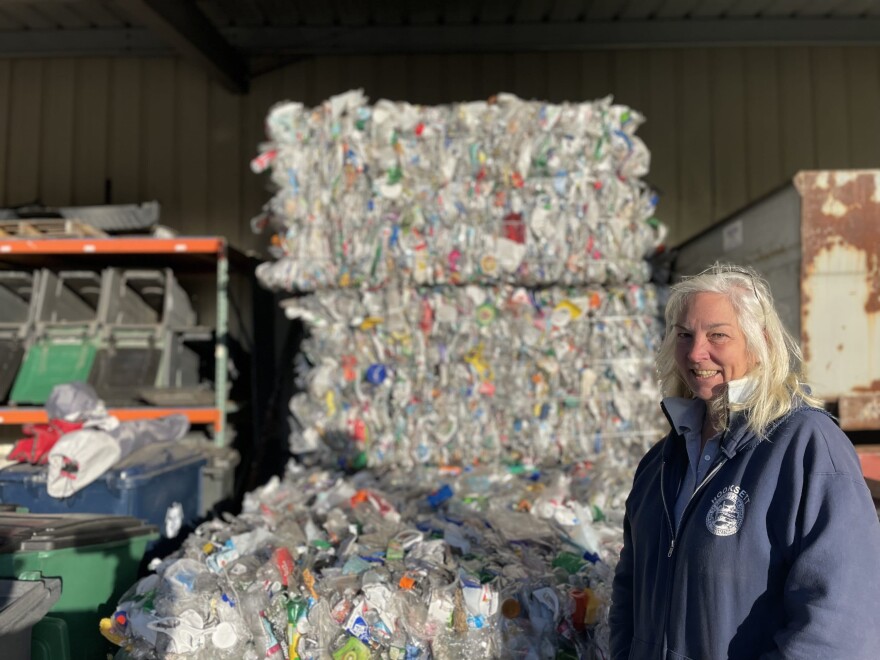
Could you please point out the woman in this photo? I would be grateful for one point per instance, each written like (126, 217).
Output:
(749, 531)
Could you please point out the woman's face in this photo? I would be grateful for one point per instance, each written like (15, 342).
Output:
(710, 347)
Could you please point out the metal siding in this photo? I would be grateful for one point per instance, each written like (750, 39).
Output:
(90, 132)
(227, 166)
(426, 80)
(627, 71)
(664, 110)
(158, 180)
(863, 68)
(57, 148)
(595, 75)
(763, 140)
(191, 148)
(267, 91)
(324, 78)
(831, 107)
(5, 121)
(358, 73)
(796, 123)
(462, 77)
(391, 80)
(24, 135)
(564, 77)
(695, 149)
(294, 83)
(530, 75)
(124, 161)
(496, 74)
(728, 131)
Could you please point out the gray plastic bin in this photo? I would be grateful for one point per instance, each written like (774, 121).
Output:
(17, 301)
(122, 299)
(145, 298)
(68, 300)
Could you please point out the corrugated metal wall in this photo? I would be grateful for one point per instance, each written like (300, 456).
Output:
(724, 125)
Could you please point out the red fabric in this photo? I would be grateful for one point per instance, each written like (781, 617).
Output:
(35, 449)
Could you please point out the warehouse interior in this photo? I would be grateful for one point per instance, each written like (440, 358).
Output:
(135, 102)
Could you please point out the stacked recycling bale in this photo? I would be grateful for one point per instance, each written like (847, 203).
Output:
(502, 191)
(479, 284)
(467, 375)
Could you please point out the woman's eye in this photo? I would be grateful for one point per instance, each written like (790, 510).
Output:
(718, 335)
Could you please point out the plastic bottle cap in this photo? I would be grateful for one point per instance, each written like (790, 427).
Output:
(376, 374)
(511, 608)
(224, 636)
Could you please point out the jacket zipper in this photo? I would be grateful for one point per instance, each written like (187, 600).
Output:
(673, 533)
(705, 480)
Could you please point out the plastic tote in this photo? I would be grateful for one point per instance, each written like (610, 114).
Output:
(95, 558)
(160, 484)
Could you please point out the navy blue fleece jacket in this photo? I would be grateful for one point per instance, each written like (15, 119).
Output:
(777, 554)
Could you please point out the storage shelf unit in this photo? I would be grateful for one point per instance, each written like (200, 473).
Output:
(209, 255)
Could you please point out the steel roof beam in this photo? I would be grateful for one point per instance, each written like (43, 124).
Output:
(189, 32)
(313, 40)
(340, 40)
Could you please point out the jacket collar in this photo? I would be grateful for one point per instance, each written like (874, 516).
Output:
(687, 415)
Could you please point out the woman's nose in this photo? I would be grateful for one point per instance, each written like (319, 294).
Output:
(697, 352)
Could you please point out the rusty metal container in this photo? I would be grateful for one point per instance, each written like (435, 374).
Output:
(817, 242)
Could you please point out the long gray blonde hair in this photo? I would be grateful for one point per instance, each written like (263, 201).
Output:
(775, 354)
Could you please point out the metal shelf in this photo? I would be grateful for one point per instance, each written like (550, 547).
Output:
(203, 253)
(37, 415)
(121, 245)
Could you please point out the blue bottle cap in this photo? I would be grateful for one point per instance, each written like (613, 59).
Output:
(376, 374)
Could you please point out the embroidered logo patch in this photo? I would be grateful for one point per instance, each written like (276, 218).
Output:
(728, 509)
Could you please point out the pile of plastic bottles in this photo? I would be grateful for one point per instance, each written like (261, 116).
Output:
(465, 375)
(438, 563)
(505, 190)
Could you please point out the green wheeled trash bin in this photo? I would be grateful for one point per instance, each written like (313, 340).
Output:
(95, 557)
